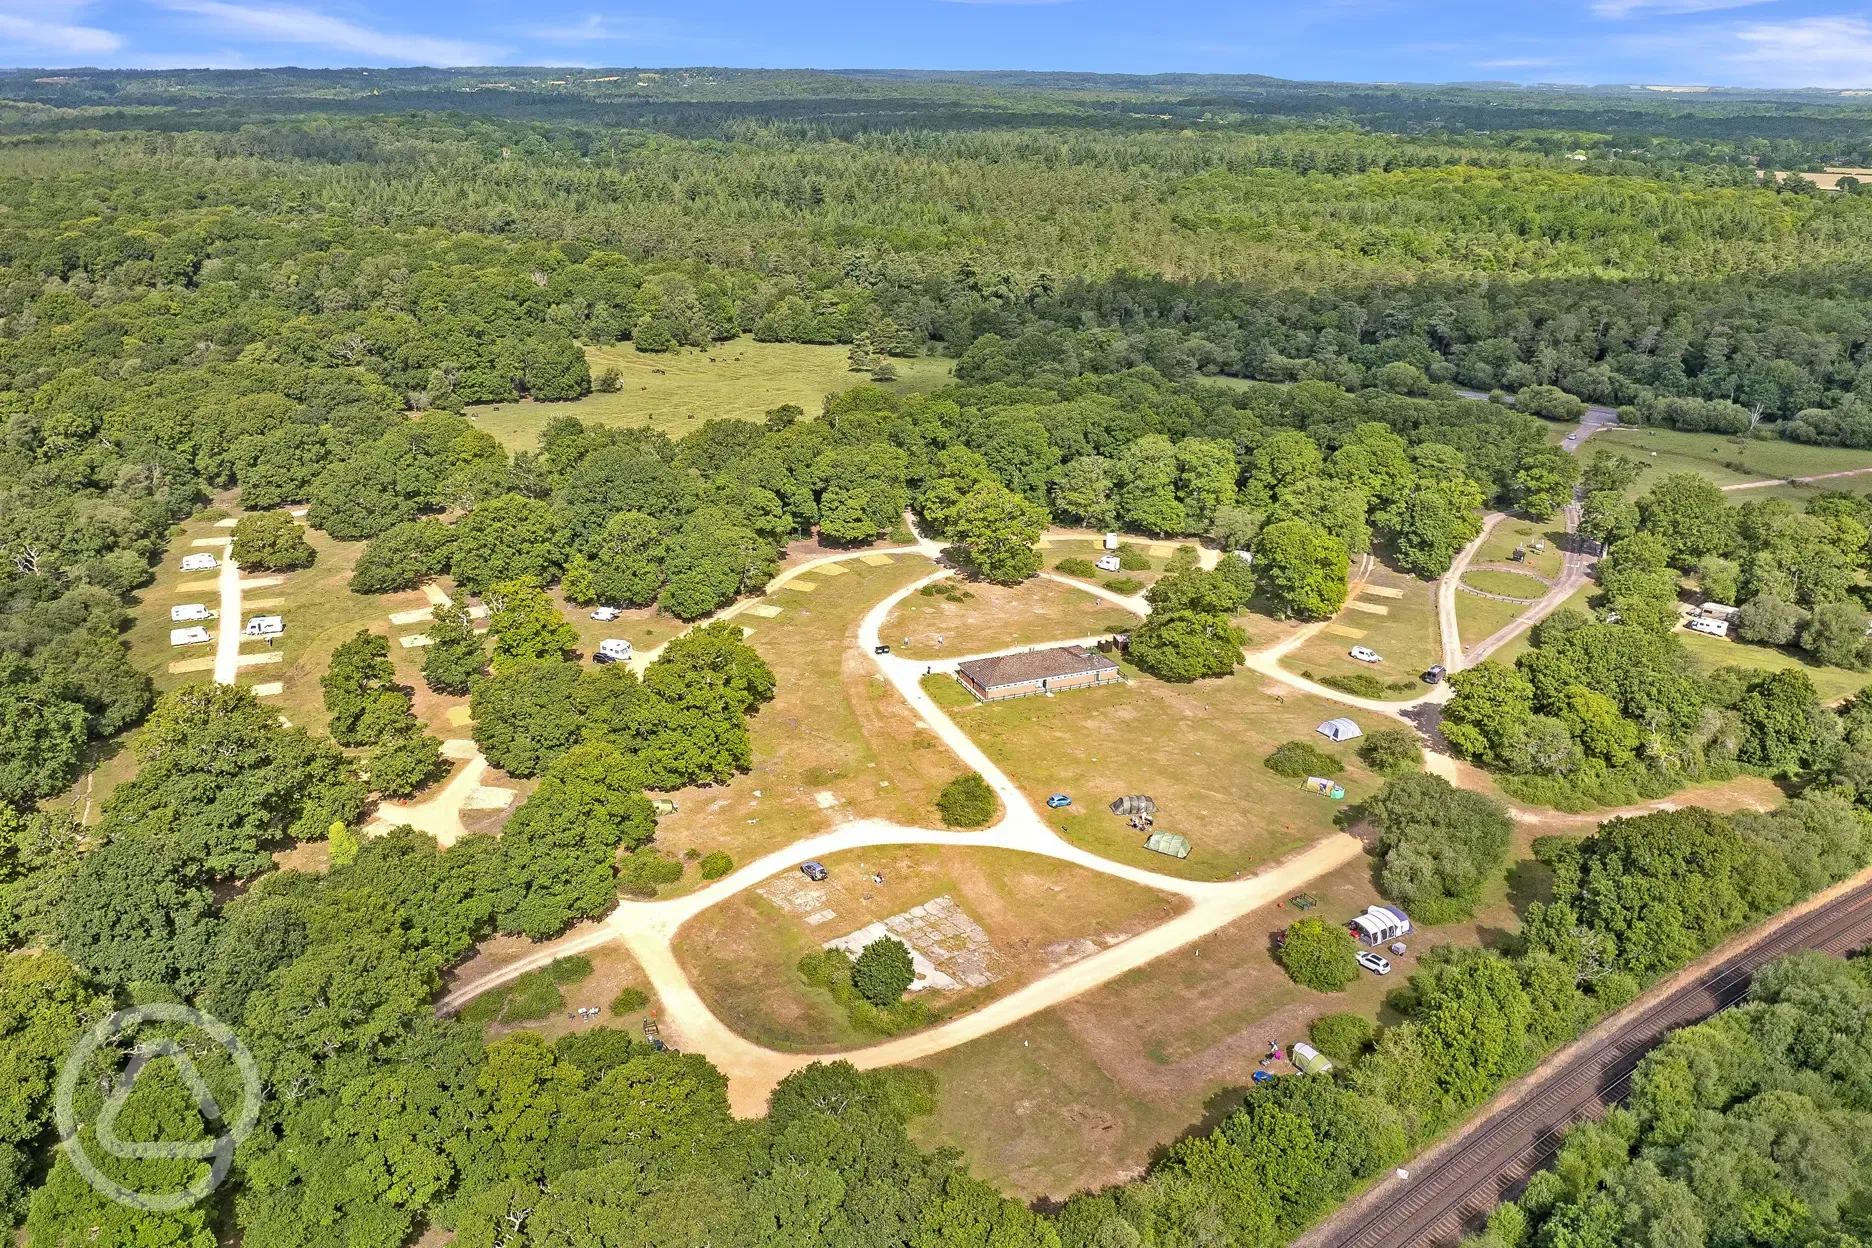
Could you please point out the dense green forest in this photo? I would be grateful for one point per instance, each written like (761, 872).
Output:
(1240, 309)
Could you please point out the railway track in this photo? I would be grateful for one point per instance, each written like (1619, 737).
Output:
(1453, 1188)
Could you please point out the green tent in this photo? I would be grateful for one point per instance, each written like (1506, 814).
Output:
(1168, 843)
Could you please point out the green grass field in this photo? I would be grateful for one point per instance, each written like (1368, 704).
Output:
(737, 380)
(1405, 634)
(1478, 619)
(1509, 584)
(1733, 461)
(1831, 683)
(1499, 546)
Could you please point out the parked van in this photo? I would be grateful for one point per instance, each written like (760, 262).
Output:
(189, 611)
(613, 650)
(264, 626)
(199, 563)
(1108, 563)
(189, 636)
(1712, 628)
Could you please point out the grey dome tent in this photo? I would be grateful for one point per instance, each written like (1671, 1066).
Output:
(1341, 729)
(1134, 804)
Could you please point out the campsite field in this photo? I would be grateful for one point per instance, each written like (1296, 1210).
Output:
(1509, 584)
(613, 970)
(1831, 683)
(1478, 619)
(1499, 546)
(1406, 634)
(836, 743)
(674, 392)
(1037, 915)
(1197, 749)
(994, 617)
(1728, 460)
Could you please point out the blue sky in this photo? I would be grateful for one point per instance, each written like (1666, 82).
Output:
(1821, 43)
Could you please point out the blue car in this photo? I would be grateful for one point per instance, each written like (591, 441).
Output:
(1262, 1076)
(1058, 800)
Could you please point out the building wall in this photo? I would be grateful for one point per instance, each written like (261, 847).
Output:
(1031, 688)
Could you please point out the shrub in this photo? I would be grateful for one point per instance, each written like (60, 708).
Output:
(1295, 759)
(629, 1000)
(1358, 684)
(716, 865)
(1076, 566)
(1131, 559)
(1341, 1037)
(1391, 750)
(883, 971)
(569, 970)
(1438, 845)
(534, 997)
(832, 970)
(1123, 585)
(1319, 955)
(967, 801)
(1549, 402)
(645, 869)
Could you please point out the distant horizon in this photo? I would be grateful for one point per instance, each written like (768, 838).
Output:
(1740, 44)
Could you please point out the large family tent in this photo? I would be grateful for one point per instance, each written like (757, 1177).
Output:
(1341, 729)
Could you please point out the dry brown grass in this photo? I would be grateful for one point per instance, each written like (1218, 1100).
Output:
(1034, 612)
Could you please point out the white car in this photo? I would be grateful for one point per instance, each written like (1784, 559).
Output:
(1108, 563)
(199, 563)
(264, 626)
(604, 615)
(613, 650)
(189, 611)
(189, 636)
(1365, 654)
(1377, 964)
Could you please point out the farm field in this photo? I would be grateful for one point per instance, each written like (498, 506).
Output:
(1406, 635)
(993, 617)
(1728, 460)
(1197, 749)
(674, 392)
(1499, 546)
(836, 743)
(1831, 683)
(1036, 913)
(1510, 584)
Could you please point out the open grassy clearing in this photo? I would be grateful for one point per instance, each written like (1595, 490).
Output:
(613, 970)
(1082, 1095)
(1197, 749)
(1512, 584)
(1092, 549)
(835, 743)
(1038, 915)
(1406, 635)
(1499, 546)
(997, 616)
(1728, 460)
(1832, 683)
(739, 380)
(1478, 619)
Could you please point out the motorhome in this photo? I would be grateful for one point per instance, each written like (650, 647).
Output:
(194, 636)
(264, 626)
(189, 611)
(202, 562)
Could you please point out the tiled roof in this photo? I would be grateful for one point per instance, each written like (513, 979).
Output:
(1029, 665)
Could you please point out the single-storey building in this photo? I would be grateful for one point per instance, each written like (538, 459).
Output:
(1341, 729)
(1036, 671)
(1168, 843)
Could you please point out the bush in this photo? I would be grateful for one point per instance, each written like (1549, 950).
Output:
(832, 970)
(629, 1001)
(1302, 758)
(967, 801)
(1131, 559)
(644, 870)
(1549, 402)
(534, 997)
(1438, 844)
(1319, 955)
(1123, 585)
(883, 971)
(1076, 566)
(1389, 751)
(1358, 684)
(270, 540)
(716, 865)
(569, 970)
(1341, 1037)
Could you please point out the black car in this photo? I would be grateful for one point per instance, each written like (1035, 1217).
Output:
(1435, 675)
(880, 649)
(815, 871)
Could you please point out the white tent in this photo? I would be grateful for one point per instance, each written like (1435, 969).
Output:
(1341, 729)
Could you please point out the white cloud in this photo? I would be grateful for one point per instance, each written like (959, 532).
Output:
(1616, 9)
(296, 25)
(648, 32)
(30, 32)
(1810, 52)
